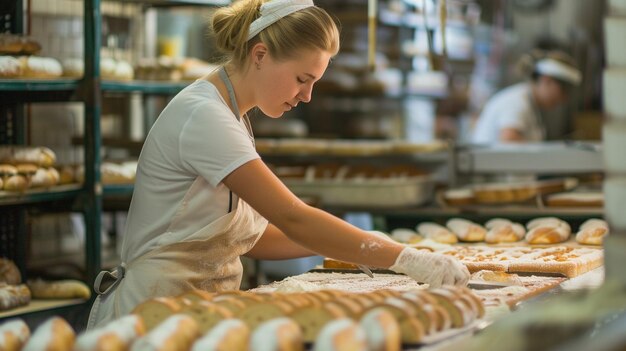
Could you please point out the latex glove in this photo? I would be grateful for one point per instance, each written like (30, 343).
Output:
(431, 268)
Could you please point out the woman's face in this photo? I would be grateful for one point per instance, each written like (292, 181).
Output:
(551, 93)
(282, 85)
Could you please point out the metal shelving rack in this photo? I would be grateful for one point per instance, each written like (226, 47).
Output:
(88, 197)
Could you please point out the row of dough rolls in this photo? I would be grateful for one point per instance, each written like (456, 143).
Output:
(236, 320)
(543, 230)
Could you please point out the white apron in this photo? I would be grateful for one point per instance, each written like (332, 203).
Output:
(207, 260)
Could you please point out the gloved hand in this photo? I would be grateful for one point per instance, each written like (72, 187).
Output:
(431, 268)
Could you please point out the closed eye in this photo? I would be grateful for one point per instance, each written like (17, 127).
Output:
(300, 80)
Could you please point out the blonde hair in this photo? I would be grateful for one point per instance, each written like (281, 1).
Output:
(310, 28)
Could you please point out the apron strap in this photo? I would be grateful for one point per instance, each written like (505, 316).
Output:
(110, 279)
(233, 102)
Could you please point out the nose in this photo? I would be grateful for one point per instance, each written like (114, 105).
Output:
(305, 93)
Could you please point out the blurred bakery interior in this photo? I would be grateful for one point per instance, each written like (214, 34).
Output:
(401, 136)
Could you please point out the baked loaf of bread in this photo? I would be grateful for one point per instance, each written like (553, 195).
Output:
(53, 335)
(13, 335)
(9, 273)
(60, 289)
(156, 310)
(547, 230)
(405, 235)
(437, 233)
(10, 67)
(592, 232)
(227, 335)
(502, 230)
(35, 155)
(116, 335)
(17, 183)
(466, 230)
(341, 335)
(177, 332)
(381, 330)
(12, 296)
(498, 277)
(280, 334)
(40, 67)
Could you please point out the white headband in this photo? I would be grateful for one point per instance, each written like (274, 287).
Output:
(274, 10)
(553, 68)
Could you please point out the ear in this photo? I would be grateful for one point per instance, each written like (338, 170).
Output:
(258, 53)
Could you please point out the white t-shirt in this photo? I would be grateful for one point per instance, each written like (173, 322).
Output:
(512, 107)
(193, 145)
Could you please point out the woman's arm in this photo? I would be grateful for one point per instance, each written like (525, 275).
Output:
(309, 227)
(275, 245)
(511, 135)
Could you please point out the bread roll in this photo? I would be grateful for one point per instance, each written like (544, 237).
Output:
(547, 231)
(177, 332)
(60, 289)
(12, 296)
(35, 155)
(16, 183)
(73, 68)
(592, 232)
(156, 310)
(53, 335)
(502, 230)
(42, 179)
(466, 230)
(228, 335)
(10, 67)
(280, 334)
(437, 233)
(341, 334)
(116, 335)
(9, 273)
(40, 67)
(13, 335)
(406, 236)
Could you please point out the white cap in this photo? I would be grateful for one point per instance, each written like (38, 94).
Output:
(274, 10)
(558, 70)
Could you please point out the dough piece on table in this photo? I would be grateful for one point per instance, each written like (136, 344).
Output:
(341, 335)
(459, 312)
(381, 330)
(312, 319)
(9, 273)
(177, 332)
(592, 232)
(55, 334)
(437, 233)
(60, 289)
(503, 231)
(497, 277)
(116, 335)
(12, 296)
(227, 335)
(466, 230)
(156, 310)
(279, 334)
(13, 335)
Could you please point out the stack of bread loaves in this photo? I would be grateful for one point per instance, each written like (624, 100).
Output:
(23, 167)
(12, 292)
